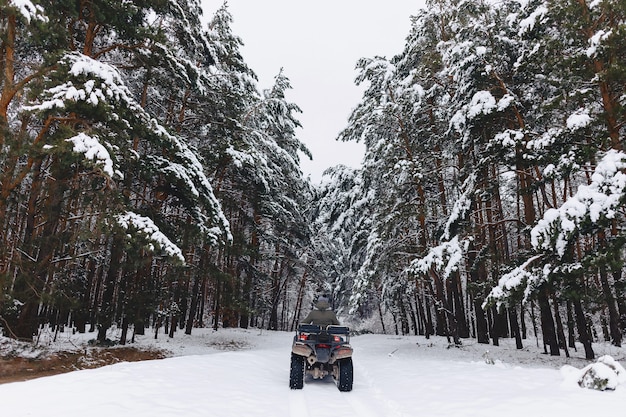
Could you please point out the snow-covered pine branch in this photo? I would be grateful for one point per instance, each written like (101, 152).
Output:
(461, 206)
(91, 147)
(446, 258)
(28, 10)
(94, 84)
(145, 227)
(511, 282)
(600, 200)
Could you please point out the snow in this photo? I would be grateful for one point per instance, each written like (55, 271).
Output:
(29, 10)
(446, 257)
(93, 149)
(594, 4)
(461, 206)
(529, 23)
(236, 372)
(600, 199)
(146, 226)
(509, 138)
(607, 369)
(595, 41)
(509, 282)
(106, 87)
(482, 103)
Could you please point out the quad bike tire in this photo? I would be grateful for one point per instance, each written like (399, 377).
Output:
(345, 375)
(296, 374)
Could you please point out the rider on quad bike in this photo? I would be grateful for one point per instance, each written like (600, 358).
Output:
(322, 315)
(321, 347)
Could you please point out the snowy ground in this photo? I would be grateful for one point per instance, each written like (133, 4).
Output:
(235, 373)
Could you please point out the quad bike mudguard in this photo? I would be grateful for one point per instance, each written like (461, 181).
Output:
(321, 351)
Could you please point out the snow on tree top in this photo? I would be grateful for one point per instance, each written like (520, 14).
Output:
(29, 10)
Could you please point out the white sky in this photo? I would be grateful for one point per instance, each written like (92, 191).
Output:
(318, 44)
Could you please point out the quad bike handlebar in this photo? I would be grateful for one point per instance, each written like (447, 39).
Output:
(331, 329)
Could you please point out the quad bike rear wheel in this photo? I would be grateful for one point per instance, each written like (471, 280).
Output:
(296, 375)
(345, 375)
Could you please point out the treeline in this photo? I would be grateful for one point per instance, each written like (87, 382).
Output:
(492, 193)
(145, 179)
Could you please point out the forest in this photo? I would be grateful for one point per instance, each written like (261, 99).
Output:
(148, 182)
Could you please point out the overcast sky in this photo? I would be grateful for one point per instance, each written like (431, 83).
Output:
(318, 44)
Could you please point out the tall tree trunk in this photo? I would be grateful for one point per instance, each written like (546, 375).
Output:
(421, 315)
(32, 286)
(382, 319)
(559, 327)
(515, 327)
(107, 309)
(620, 293)
(246, 301)
(482, 327)
(571, 339)
(458, 307)
(298, 310)
(581, 324)
(441, 328)
(522, 320)
(614, 317)
(195, 298)
(412, 316)
(217, 309)
(547, 323)
(495, 326)
(430, 328)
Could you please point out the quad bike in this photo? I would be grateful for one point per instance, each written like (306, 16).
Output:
(319, 352)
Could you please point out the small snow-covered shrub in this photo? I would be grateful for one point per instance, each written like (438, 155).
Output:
(605, 374)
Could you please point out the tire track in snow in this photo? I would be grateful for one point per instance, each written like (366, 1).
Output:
(298, 406)
(389, 407)
(324, 395)
(359, 408)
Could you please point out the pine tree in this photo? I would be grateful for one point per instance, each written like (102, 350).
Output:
(87, 131)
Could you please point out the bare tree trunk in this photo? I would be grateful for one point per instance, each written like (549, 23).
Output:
(614, 318)
(382, 319)
(421, 315)
(559, 327)
(441, 328)
(458, 306)
(298, 309)
(515, 327)
(581, 324)
(620, 293)
(195, 298)
(571, 339)
(106, 311)
(547, 323)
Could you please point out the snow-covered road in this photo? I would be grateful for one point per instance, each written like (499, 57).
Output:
(394, 376)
